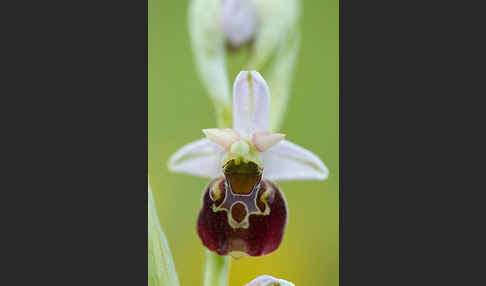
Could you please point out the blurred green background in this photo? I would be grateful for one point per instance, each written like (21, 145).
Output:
(178, 109)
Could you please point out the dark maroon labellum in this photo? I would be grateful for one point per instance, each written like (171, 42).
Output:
(242, 214)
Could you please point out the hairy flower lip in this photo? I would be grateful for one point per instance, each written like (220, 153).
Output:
(261, 236)
(281, 160)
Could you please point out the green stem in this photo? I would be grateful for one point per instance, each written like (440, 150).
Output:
(216, 270)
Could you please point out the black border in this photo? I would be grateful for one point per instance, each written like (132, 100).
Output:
(78, 175)
(410, 88)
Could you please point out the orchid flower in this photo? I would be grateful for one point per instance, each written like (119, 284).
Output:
(267, 280)
(243, 211)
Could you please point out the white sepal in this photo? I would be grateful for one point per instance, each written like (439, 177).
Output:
(200, 158)
(287, 161)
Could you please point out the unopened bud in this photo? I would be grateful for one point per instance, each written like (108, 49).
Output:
(267, 280)
(239, 21)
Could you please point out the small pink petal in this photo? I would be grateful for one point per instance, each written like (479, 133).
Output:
(223, 137)
(266, 140)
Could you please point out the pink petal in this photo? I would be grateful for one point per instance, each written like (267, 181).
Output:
(266, 140)
(223, 137)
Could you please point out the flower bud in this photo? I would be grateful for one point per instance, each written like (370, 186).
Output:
(269, 27)
(241, 213)
(239, 21)
(267, 280)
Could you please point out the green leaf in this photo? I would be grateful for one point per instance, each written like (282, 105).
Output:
(161, 269)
